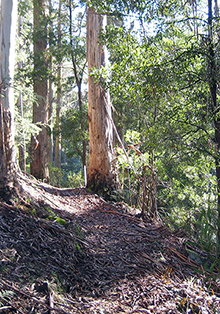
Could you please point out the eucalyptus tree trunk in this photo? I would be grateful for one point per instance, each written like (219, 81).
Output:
(39, 144)
(215, 107)
(59, 86)
(100, 174)
(21, 144)
(50, 120)
(7, 52)
(57, 145)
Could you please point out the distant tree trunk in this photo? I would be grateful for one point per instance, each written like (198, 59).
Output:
(50, 88)
(21, 144)
(79, 78)
(7, 52)
(39, 145)
(100, 174)
(50, 121)
(57, 145)
(59, 86)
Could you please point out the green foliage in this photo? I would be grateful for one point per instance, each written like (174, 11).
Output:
(23, 120)
(78, 246)
(59, 286)
(206, 230)
(56, 176)
(62, 178)
(71, 124)
(32, 211)
(61, 221)
(75, 179)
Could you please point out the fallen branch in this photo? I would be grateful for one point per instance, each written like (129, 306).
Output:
(118, 213)
(184, 258)
(2, 309)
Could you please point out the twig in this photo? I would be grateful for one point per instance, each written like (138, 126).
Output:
(118, 213)
(4, 283)
(2, 309)
(184, 258)
(50, 297)
(45, 224)
(33, 298)
(151, 259)
(51, 301)
(22, 293)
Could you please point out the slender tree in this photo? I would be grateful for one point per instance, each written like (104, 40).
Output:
(59, 86)
(78, 70)
(22, 144)
(50, 86)
(100, 175)
(7, 53)
(39, 144)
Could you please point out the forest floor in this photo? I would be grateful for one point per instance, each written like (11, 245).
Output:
(70, 251)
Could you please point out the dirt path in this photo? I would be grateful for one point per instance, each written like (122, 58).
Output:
(72, 252)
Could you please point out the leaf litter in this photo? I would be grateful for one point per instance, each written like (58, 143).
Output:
(70, 251)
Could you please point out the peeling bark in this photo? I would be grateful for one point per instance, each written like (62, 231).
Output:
(100, 174)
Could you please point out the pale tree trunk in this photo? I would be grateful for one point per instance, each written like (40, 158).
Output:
(7, 54)
(21, 144)
(100, 174)
(50, 121)
(39, 144)
(59, 86)
(57, 145)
